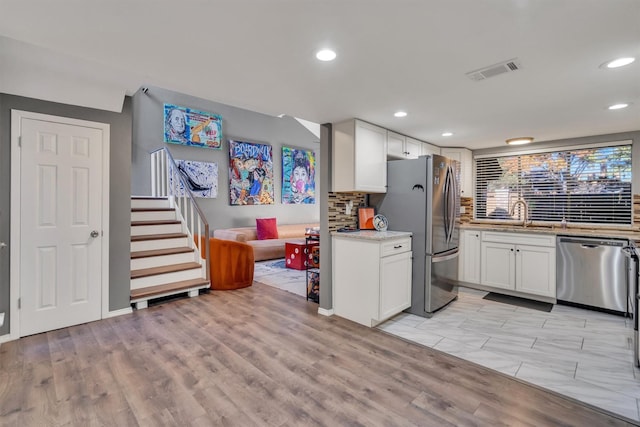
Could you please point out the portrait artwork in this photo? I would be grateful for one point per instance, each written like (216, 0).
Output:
(200, 177)
(298, 176)
(186, 126)
(250, 173)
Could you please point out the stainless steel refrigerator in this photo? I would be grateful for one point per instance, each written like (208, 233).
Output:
(423, 197)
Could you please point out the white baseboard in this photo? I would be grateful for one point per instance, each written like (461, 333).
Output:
(325, 312)
(120, 312)
(7, 338)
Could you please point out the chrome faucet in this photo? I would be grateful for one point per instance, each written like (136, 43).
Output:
(526, 211)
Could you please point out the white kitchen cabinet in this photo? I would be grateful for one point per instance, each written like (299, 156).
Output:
(469, 265)
(429, 149)
(371, 278)
(523, 263)
(498, 265)
(413, 148)
(359, 157)
(402, 147)
(396, 145)
(465, 157)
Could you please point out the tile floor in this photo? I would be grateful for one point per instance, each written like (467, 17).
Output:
(583, 354)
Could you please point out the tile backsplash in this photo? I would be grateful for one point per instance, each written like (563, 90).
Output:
(337, 204)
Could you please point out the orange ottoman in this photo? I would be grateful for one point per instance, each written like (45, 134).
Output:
(297, 253)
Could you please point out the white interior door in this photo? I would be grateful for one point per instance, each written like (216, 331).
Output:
(61, 173)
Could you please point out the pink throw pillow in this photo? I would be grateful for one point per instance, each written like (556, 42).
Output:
(266, 228)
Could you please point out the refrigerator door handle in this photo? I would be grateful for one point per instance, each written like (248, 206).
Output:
(450, 203)
(445, 257)
(446, 206)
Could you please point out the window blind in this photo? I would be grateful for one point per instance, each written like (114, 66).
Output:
(581, 185)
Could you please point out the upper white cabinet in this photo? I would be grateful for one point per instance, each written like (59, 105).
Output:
(465, 158)
(413, 148)
(395, 145)
(520, 262)
(429, 150)
(359, 157)
(402, 147)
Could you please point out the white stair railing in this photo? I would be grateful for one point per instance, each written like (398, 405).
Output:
(165, 182)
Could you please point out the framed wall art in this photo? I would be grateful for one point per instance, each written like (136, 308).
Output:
(186, 126)
(298, 176)
(200, 177)
(250, 173)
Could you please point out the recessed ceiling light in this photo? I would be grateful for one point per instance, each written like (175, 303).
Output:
(520, 140)
(326, 55)
(400, 114)
(447, 133)
(620, 62)
(618, 106)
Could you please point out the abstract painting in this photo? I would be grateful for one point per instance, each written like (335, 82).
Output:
(186, 126)
(298, 176)
(250, 173)
(200, 177)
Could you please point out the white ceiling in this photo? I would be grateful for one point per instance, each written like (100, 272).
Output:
(394, 54)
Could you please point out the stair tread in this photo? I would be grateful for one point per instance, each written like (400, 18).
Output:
(152, 209)
(158, 236)
(159, 252)
(153, 271)
(156, 222)
(148, 198)
(150, 291)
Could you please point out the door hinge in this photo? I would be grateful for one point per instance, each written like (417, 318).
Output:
(19, 141)
(19, 303)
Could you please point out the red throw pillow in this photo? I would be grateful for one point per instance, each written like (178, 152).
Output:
(266, 228)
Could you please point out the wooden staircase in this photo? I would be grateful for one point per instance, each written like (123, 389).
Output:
(164, 260)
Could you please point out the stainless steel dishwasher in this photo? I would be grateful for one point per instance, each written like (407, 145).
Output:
(592, 272)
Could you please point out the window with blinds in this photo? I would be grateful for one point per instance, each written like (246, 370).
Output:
(582, 185)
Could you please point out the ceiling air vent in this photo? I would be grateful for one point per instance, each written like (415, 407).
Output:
(494, 70)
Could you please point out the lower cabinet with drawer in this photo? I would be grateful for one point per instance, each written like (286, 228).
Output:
(371, 278)
(520, 262)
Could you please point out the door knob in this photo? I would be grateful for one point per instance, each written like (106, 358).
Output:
(3, 245)
(94, 233)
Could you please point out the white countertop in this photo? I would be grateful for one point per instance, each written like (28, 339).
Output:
(570, 231)
(372, 234)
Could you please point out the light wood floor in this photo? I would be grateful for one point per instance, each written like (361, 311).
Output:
(253, 357)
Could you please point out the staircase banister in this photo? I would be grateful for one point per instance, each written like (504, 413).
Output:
(191, 198)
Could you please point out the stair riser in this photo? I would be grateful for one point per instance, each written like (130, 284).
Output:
(153, 215)
(150, 203)
(158, 261)
(146, 230)
(149, 245)
(162, 279)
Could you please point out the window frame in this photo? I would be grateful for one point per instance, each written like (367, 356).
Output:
(548, 150)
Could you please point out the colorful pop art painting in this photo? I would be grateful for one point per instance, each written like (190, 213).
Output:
(186, 126)
(250, 173)
(298, 176)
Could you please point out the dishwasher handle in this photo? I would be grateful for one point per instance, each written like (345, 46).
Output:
(592, 243)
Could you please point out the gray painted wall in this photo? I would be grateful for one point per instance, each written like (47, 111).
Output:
(238, 124)
(119, 197)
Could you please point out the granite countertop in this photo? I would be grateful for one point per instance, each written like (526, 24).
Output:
(372, 234)
(555, 230)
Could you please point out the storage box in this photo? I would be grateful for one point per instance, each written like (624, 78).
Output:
(297, 253)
